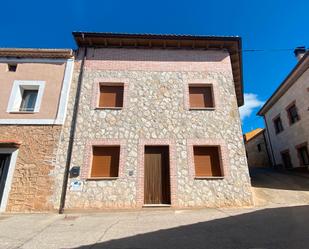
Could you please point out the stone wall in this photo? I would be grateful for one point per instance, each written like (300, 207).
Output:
(32, 183)
(156, 113)
(255, 157)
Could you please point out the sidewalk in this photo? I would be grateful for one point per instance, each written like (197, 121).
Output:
(276, 228)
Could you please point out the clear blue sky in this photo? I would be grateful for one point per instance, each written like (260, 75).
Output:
(261, 24)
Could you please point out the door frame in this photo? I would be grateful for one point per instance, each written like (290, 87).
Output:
(9, 177)
(141, 168)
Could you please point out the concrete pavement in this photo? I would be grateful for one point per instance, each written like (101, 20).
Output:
(269, 225)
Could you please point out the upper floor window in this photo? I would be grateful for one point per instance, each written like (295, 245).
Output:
(12, 67)
(26, 96)
(259, 147)
(278, 125)
(303, 155)
(28, 100)
(111, 96)
(201, 96)
(292, 113)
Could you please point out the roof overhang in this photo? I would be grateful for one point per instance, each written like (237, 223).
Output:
(149, 41)
(297, 71)
(36, 53)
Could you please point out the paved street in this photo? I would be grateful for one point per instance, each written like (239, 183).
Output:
(275, 222)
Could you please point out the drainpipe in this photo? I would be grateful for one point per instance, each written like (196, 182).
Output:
(72, 133)
(271, 147)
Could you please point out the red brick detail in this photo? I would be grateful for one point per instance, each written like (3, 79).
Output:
(96, 90)
(224, 154)
(159, 60)
(201, 82)
(86, 169)
(140, 169)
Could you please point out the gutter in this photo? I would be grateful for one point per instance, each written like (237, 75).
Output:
(72, 134)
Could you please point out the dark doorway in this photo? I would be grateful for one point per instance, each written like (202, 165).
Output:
(157, 175)
(286, 158)
(4, 167)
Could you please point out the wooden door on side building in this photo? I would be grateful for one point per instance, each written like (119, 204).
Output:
(157, 175)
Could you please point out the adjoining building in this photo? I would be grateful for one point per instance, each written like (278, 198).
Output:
(34, 89)
(286, 117)
(153, 120)
(256, 148)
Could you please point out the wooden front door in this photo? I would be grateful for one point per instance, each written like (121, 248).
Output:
(157, 175)
(4, 167)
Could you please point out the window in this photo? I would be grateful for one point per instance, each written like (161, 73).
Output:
(286, 159)
(26, 96)
(207, 161)
(292, 114)
(259, 147)
(12, 67)
(111, 96)
(201, 97)
(105, 161)
(28, 100)
(303, 155)
(278, 125)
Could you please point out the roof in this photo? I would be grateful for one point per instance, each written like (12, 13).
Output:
(121, 40)
(36, 53)
(297, 71)
(252, 134)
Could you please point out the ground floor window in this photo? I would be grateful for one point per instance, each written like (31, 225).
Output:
(286, 159)
(303, 155)
(207, 161)
(105, 161)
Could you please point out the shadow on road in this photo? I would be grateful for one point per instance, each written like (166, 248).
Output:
(273, 179)
(269, 228)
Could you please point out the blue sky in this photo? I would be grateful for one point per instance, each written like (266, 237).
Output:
(266, 25)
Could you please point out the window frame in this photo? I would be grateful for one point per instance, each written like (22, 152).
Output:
(109, 82)
(274, 123)
(196, 85)
(88, 157)
(223, 157)
(15, 99)
(299, 155)
(288, 108)
(201, 83)
(9, 67)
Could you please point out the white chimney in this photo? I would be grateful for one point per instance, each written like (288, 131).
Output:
(299, 52)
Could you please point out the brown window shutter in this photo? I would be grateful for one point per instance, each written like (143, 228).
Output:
(207, 161)
(111, 96)
(105, 162)
(201, 96)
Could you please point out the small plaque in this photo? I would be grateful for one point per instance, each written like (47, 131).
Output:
(76, 185)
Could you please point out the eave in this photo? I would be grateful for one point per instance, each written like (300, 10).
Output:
(150, 41)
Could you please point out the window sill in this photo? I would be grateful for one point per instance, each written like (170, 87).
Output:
(208, 177)
(108, 108)
(202, 108)
(22, 112)
(101, 178)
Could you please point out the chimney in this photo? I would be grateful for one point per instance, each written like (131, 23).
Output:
(299, 52)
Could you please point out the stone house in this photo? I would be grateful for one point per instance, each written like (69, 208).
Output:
(286, 117)
(153, 120)
(256, 148)
(34, 89)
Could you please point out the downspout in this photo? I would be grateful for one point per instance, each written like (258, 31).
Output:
(271, 147)
(72, 134)
(266, 147)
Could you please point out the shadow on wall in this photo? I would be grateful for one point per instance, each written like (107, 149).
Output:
(273, 179)
(269, 229)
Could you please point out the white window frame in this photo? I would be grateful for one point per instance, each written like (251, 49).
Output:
(16, 94)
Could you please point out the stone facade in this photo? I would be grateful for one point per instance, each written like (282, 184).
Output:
(155, 113)
(293, 134)
(32, 183)
(257, 151)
